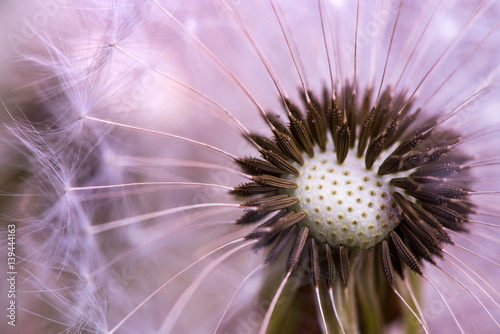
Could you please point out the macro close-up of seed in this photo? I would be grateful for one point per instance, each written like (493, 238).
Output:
(267, 166)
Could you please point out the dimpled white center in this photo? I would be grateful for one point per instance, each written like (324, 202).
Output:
(345, 204)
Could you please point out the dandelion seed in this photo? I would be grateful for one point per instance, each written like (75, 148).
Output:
(345, 143)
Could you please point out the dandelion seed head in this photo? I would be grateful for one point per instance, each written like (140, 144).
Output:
(348, 205)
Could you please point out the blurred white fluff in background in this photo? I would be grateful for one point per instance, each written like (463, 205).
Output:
(90, 256)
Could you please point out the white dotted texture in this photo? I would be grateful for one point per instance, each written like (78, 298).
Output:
(345, 204)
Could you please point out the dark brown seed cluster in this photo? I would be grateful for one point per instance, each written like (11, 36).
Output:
(431, 198)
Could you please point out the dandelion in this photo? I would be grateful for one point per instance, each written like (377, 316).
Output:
(255, 167)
